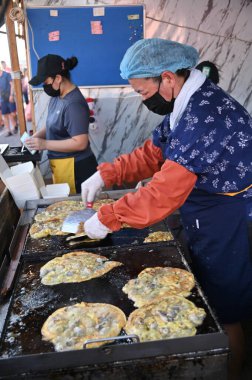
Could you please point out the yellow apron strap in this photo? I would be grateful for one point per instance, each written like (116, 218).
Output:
(238, 192)
(63, 172)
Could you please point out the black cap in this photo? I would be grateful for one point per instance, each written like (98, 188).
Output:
(48, 66)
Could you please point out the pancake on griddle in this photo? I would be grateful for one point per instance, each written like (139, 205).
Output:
(170, 317)
(49, 221)
(75, 267)
(159, 236)
(49, 228)
(69, 327)
(157, 282)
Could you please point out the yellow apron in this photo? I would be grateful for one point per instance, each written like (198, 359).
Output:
(63, 172)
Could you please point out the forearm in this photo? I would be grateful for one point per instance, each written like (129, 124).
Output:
(40, 133)
(142, 163)
(73, 144)
(68, 145)
(167, 191)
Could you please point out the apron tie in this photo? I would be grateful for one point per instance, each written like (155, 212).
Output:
(238, 192)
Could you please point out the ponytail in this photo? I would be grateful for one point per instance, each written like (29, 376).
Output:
(69, 64)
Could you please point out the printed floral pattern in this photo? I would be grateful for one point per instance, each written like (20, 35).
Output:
(213, 140)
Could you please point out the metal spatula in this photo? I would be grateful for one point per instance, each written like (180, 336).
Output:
(74, 222)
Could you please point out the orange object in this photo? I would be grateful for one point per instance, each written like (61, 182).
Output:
(165, 193)
(142, 163)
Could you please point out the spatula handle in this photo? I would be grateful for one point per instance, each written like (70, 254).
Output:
(89, 204)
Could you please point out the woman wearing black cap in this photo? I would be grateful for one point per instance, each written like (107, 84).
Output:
(66, 133)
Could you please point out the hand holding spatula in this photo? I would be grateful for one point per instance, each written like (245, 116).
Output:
(74, 222)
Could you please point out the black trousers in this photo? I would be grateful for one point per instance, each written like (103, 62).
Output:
(83, 169)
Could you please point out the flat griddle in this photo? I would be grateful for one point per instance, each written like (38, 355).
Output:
(32, 302)
(24, 353)
(124, 237)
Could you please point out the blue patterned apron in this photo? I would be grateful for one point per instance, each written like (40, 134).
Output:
(213, 139)
(217, 228)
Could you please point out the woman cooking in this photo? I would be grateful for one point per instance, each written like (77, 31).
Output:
(66, 133)
(201, 162)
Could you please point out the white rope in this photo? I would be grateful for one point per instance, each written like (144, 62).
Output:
(17, 14)
(32, 36)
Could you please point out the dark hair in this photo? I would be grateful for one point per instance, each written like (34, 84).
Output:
(181, 73)
(212, 74)
(70, 64)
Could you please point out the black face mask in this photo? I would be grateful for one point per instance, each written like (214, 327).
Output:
(157, 104)
(49, 90)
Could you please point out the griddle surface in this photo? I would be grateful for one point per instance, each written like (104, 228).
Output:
(124, 237)
(33, 302)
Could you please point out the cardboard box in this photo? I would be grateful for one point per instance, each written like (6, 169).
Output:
(23, 181)
(59, 190)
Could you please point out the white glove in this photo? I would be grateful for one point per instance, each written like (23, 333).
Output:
(91, 188)
(95, 229)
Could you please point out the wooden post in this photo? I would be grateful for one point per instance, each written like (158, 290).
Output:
(29, 76)
(10, 28)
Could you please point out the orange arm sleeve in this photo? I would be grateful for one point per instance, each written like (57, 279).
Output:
(165, 193)
(142, 163)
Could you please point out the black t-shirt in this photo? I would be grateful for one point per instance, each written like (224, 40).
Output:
(68, 117)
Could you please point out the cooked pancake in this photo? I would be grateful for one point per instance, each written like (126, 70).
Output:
(49, 221)
(65, 205)
(40, 230)
(47, 216)
(56, 213)
(158, 282)
(75, 267)
(171, 317)
(158, 236)
(58, 210)
(70, 327)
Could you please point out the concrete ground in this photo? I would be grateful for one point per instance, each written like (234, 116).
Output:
(13, 140)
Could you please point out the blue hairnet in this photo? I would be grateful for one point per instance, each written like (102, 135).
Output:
(150, 57)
